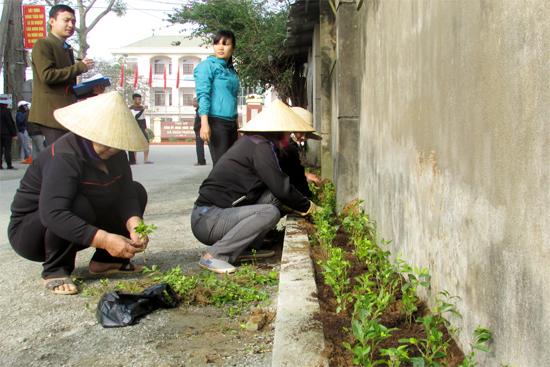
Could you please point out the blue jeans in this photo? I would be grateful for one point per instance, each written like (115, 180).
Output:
(25, 144)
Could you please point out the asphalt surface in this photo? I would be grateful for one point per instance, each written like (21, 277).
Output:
(42, 329)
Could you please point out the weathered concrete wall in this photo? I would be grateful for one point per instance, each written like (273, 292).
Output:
(346, 102)
(455, 155)
(327, 43)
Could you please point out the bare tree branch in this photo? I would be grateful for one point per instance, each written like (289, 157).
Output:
(101, 15)
(91, 5)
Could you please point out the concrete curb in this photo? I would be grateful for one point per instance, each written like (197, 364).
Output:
(299, 338)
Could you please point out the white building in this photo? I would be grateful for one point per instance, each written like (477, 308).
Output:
(169, 106)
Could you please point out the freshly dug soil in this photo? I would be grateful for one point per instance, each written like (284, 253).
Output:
(337, 327)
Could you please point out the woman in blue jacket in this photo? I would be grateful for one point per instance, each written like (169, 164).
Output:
(217, 86)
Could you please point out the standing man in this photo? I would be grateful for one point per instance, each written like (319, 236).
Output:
(54, 72)
(22, 134)
(199, 143)
(37, 139)
(7, 133)
(138, 110)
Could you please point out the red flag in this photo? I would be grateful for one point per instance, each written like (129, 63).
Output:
(164, 76)
(135, 76)
(150, 75)
(121, 75)
(178, 79)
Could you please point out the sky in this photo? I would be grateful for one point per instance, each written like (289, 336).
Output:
(142, 19)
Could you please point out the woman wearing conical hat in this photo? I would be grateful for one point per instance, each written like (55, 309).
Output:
(239, 201)
(79, 193)
(290, 157)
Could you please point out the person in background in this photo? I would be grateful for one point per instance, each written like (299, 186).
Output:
(24, 139)
(138, 111)
(79, 193)
(217, 87)
(240, 201)
(54, 72)
(7, 133)
(37, 139)
(290, 158)
(199, 143)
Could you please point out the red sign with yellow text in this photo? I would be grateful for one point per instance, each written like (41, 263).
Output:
(34, 24)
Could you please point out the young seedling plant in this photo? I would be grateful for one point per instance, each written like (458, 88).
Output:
(335, 274)
(368, 333)
(482, 337)
(144, 230)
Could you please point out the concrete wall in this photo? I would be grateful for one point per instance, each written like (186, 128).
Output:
(324, 109)
(454, 156)
(346, 102)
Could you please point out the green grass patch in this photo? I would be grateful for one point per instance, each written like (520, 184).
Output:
(247, 287)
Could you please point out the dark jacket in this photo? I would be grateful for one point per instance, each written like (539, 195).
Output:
(289, 160)
(54, 74)
(33, 129)
(247, 169)
(21, 121)
(7, 127)
(64, 170)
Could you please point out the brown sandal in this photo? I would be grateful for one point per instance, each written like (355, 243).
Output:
(53, 283)
(126, 268)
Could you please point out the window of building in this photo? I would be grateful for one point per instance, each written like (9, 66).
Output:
(188, 68)
(187, 96)
(160, 97)
(159, 65)
(163, 97)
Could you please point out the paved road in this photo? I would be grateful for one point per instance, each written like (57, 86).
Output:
(41, 329)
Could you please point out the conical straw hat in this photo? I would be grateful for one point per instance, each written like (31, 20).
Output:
(277, 117)
(307, 117)
(104, 119)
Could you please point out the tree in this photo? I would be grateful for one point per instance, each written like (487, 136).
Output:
(83, 7)
(260, 30)
(12, 53)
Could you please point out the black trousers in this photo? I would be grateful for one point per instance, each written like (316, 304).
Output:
(51, 134)
(5, 149)
(31, 240)
(132, 157)
(223, 134)
(199, 147)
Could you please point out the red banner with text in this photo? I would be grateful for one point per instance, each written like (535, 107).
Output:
(34, 24)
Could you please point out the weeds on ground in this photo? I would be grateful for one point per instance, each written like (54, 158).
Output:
(237, 292)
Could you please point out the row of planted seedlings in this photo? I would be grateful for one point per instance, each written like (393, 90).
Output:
(385, 323)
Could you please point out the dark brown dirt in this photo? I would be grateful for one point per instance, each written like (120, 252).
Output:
(337, 327)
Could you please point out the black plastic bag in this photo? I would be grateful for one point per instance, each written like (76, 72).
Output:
(116, 309)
